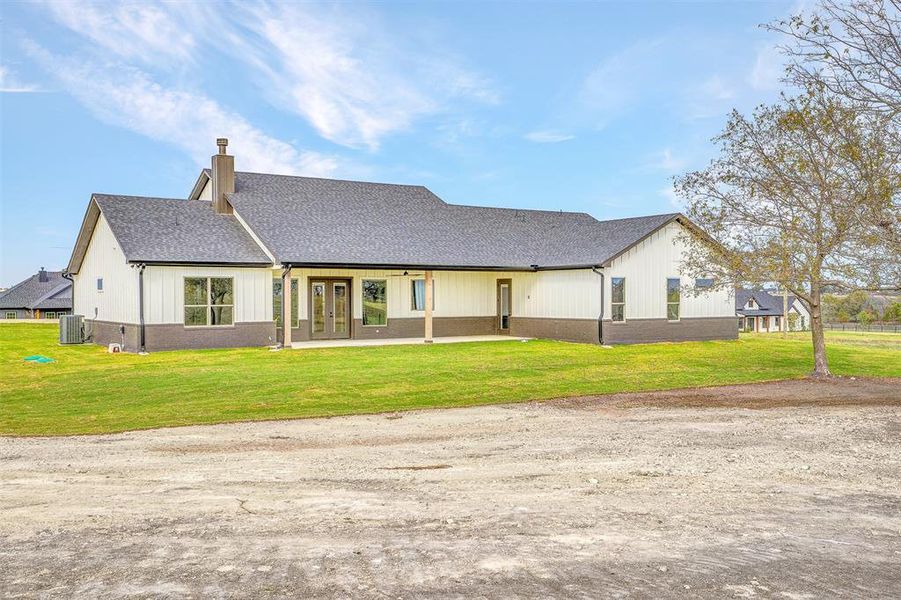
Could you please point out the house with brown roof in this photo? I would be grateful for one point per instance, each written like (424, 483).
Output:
(251, 259)
(44, 295)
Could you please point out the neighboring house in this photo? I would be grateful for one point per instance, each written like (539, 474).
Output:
(348, 259)
(44, 295)
(762, 311)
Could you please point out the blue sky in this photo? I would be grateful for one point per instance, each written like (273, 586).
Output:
(569, 106)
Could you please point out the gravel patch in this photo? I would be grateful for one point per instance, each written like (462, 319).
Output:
(755, 491)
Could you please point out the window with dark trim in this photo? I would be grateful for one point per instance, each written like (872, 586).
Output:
(417, 294)
(277, 302)
(673, 297)
(375, 302)
(209, 301)
(618, 298)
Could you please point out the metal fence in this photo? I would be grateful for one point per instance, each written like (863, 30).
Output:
(879, 327)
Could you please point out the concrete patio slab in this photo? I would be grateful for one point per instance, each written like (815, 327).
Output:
(403, 341)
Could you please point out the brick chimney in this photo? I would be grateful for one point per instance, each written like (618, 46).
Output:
(223, 178)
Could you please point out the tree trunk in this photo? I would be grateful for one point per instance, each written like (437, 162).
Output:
(784, 312)
(820, 363)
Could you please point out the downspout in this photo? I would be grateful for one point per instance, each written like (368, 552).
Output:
(601, 315)
(67, 275)
(84, 334)
(142, 349)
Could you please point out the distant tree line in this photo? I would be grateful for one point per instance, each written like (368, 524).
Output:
(861, 307)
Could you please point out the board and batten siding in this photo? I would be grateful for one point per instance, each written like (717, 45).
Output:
(118, 301)
(646, 267)
(549, 294)
(207, 192)
(570, 294)
(164, 292)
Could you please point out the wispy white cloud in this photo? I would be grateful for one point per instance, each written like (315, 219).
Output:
(716, 88)
(611, 87)
(350, 78)
(548, 137)
(347, 74)
(313, 69)
(10, 83)
(128, 97)
(713, 97)
(674, 200)
(149, 32)
(667, 162)
(768, 69)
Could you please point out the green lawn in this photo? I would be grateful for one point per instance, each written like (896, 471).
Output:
(89, 391)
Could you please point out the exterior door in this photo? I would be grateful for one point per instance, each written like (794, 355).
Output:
(329, 309)
(504, 305)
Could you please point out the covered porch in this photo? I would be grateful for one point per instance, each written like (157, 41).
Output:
(362, 307)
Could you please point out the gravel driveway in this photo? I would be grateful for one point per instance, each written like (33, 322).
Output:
(681, 494)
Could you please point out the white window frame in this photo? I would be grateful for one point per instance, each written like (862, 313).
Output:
(612, 303)
(208, 304)
(363, 281)
(99, 285)
(14, 314)
(46, 314)
(668, 303)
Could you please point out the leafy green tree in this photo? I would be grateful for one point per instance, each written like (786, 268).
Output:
(797, 196)
(892, 312)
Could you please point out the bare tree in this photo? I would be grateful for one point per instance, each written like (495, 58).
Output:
(851, 49)
(801, 195)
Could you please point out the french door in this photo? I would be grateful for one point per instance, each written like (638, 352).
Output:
(329, 309)
(504, 308)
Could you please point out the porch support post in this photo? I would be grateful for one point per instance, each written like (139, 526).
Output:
(286, 307)
(784, 311)
(428, 307)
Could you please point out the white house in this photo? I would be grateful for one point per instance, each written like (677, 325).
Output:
(248, 252)
(762, 312)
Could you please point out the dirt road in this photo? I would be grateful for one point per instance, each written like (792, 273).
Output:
(682, 494)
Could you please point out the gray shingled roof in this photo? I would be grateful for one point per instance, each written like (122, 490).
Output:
(304, 220)
(177, 231)
(56, 292)
(769, 304)
(311, 221)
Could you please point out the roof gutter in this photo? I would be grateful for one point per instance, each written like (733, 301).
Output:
(182, 263)
(402, 266)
